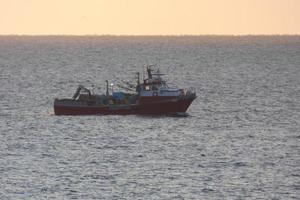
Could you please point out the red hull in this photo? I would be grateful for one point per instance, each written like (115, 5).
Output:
(169, 106)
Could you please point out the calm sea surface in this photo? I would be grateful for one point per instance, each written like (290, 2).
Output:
(241, 139)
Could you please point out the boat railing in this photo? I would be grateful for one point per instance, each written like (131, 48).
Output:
(171, 86)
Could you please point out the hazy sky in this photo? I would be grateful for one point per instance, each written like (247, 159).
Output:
(149, 17)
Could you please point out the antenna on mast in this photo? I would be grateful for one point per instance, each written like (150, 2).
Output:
(143, 73)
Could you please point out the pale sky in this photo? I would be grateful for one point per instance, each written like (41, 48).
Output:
(149, 17)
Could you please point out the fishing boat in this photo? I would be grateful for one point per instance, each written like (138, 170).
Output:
(152, 96)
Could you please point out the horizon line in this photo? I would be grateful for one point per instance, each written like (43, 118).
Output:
(141, 35)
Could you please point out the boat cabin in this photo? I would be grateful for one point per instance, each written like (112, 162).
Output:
(155, 86)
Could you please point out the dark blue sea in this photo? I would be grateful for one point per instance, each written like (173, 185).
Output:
(240, 140)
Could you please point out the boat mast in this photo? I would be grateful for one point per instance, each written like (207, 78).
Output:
(149, 72)
(107, 93)
(138, 86)
(138, 78)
